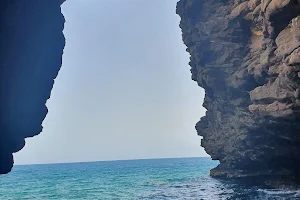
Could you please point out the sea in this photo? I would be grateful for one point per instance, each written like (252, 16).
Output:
(174, 178)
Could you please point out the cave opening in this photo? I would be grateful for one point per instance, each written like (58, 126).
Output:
(121, 88)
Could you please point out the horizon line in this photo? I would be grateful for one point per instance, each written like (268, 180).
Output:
(74, 162)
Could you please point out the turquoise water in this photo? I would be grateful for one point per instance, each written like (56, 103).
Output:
(185, 178)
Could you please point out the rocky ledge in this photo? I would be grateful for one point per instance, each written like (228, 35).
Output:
(31, 47)
(246, 55)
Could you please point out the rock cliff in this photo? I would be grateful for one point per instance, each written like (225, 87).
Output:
(31, 50)
(246, 55)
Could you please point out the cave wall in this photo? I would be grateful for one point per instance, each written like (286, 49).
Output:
(246, 55)
(31, 49)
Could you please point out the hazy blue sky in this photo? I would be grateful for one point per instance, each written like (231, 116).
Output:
(124, 90)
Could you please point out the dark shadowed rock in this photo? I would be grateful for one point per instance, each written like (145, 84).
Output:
(31, 50)
(245, 54)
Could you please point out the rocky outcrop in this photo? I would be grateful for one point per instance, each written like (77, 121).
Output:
(246, 55)
(31, 50)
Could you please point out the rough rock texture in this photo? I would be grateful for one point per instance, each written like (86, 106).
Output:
(246, 55)
(31, 50)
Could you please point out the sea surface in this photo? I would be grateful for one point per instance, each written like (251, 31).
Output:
(182, 178)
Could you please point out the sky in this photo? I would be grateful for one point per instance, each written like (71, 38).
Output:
(124, 90)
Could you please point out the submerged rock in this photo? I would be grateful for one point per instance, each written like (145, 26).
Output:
(245, 54)
(31, 50)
